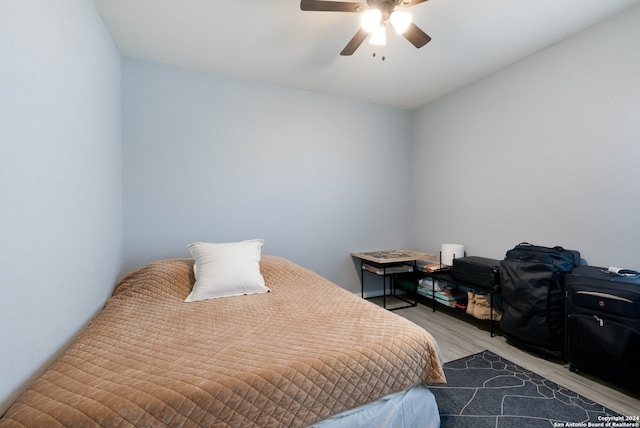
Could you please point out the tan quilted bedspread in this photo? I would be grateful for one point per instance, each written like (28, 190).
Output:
(299, 354)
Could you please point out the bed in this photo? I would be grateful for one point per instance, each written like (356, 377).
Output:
(304, 353)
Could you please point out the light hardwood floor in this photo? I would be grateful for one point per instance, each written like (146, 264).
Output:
(459, 336)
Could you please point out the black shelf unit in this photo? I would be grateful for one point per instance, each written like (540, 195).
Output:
(447, 276)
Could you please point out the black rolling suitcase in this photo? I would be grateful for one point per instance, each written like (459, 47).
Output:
(603, 325)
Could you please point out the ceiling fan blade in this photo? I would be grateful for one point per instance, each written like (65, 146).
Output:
(415, 2)
(416, 36)
(354, 43)
(331, 6)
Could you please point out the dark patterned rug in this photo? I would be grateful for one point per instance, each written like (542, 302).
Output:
(486, 390)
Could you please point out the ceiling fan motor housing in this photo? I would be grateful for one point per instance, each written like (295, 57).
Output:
(384, 6)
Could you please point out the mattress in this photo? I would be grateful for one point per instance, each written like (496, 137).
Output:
(295, 356)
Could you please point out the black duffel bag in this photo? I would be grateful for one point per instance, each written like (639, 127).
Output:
(532, 280)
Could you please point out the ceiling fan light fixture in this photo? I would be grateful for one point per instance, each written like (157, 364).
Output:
(400, 21)
(371, 20)
(374, 16)
(379, 36)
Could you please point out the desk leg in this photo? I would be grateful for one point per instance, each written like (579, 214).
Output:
(384, 287)
(361, 280)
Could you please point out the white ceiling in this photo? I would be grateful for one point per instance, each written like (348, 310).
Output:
(274, 41)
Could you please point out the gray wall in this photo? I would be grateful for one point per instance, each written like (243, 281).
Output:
(210, 158)
(545, 151)
(60, 179)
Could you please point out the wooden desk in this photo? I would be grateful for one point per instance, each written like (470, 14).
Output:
(389, 262)
(394, 256)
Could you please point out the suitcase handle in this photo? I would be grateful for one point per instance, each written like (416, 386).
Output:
(622, 272)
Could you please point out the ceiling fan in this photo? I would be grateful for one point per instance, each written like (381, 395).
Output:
(375, 15)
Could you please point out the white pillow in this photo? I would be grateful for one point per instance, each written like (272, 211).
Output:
(230, 269)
